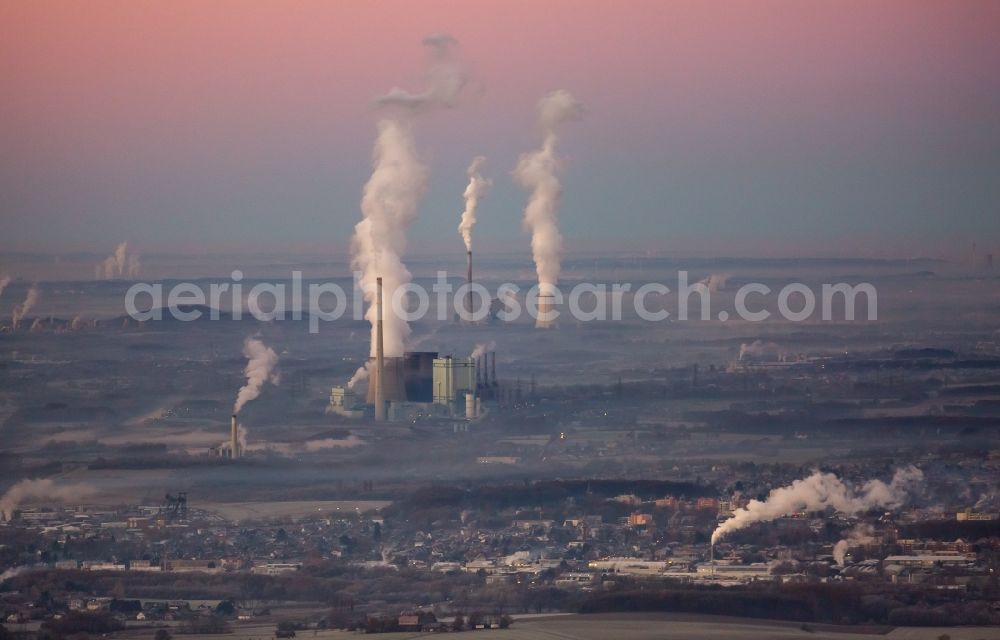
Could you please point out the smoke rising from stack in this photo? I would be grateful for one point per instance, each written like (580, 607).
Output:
(4, 281)
(758, 349)
(818, 492)
(22, 310)
(398, 180)
(477, 188)
(359, 375)
(861, 534)
(389, 207)
(482, 348)
(715, 282)
(41, 489)
(13, 572)
(445, 78)
(120, 264)
(261, 361)
(537, 172)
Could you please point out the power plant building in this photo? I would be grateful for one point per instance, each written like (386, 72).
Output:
(344, 401)
(452, 378)
(343, 397)
(418, 375)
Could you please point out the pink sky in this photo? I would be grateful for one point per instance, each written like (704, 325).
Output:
(141, 119)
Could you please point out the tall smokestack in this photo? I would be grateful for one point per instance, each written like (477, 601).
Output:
(379, 355)
(234, 438)
(477, 188)
(468, 280)
(493, 369)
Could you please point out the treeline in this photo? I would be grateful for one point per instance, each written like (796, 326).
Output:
(541, 493)
(83, 622)
(184, 586)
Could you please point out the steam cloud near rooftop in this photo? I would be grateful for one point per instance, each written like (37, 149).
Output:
(819, 492)
(260, 368)
(42, 489)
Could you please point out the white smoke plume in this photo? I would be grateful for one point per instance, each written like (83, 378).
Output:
(120, 264)
(261, 361)
(862, 534)
(241, 438)
(758, 349)
(821, 491)
(389, 207)
(359, 375)
(482, 348)
(4, 281)
(13, 572)
(42, 489)
(389, 198)
(537, 172)
(477, 188)
(22, 310)
(715, 282)
(446, 76)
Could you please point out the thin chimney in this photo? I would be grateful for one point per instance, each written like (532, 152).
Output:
(234, 438)
(379, 355)
(468, 280)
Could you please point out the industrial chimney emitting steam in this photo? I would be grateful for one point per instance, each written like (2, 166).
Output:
(387, 381)
(477, 188)
(234, 439)
(468, 281)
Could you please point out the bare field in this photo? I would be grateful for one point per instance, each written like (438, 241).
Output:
(636, 627)
(648, 626)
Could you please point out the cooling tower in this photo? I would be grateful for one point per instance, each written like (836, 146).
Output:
(234, 438)
(393, 382)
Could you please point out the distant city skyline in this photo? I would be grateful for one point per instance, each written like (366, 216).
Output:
(743, 129)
